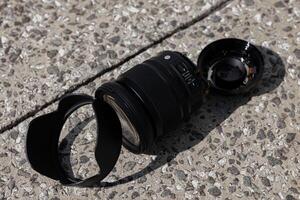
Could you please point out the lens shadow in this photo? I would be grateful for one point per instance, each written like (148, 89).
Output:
(209, 116)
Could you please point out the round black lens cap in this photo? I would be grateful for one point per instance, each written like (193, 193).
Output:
(231, 66)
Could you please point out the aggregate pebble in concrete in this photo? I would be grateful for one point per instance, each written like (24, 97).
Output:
(232, 148)
(48, 46)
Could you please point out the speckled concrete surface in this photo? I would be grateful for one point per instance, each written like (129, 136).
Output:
(232, 148)
(48, 46)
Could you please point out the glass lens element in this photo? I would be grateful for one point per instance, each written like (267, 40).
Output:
(128, 130)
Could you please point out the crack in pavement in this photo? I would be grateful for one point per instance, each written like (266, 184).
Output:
(214, 8)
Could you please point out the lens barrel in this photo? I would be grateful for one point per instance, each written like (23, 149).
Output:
(156, 96)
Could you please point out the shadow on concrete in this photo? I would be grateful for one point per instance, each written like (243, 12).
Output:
(214, 111)
(65, 145)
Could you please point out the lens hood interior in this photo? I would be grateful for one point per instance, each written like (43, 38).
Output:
(231, 66)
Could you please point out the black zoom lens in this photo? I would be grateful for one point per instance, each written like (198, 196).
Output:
(152, 98)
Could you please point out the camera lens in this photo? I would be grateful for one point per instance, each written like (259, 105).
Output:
(231, 66)
(152, 98)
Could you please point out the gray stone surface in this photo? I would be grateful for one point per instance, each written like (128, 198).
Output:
(47, 47)
(232, 148)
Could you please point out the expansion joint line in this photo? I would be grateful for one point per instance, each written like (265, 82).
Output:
(218, 6)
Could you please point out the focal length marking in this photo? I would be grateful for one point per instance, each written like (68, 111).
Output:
(189, 78)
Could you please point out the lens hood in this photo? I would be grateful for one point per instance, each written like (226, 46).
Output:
(231, 66)
(43, 138)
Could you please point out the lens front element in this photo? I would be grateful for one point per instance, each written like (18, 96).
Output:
(128, 130)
